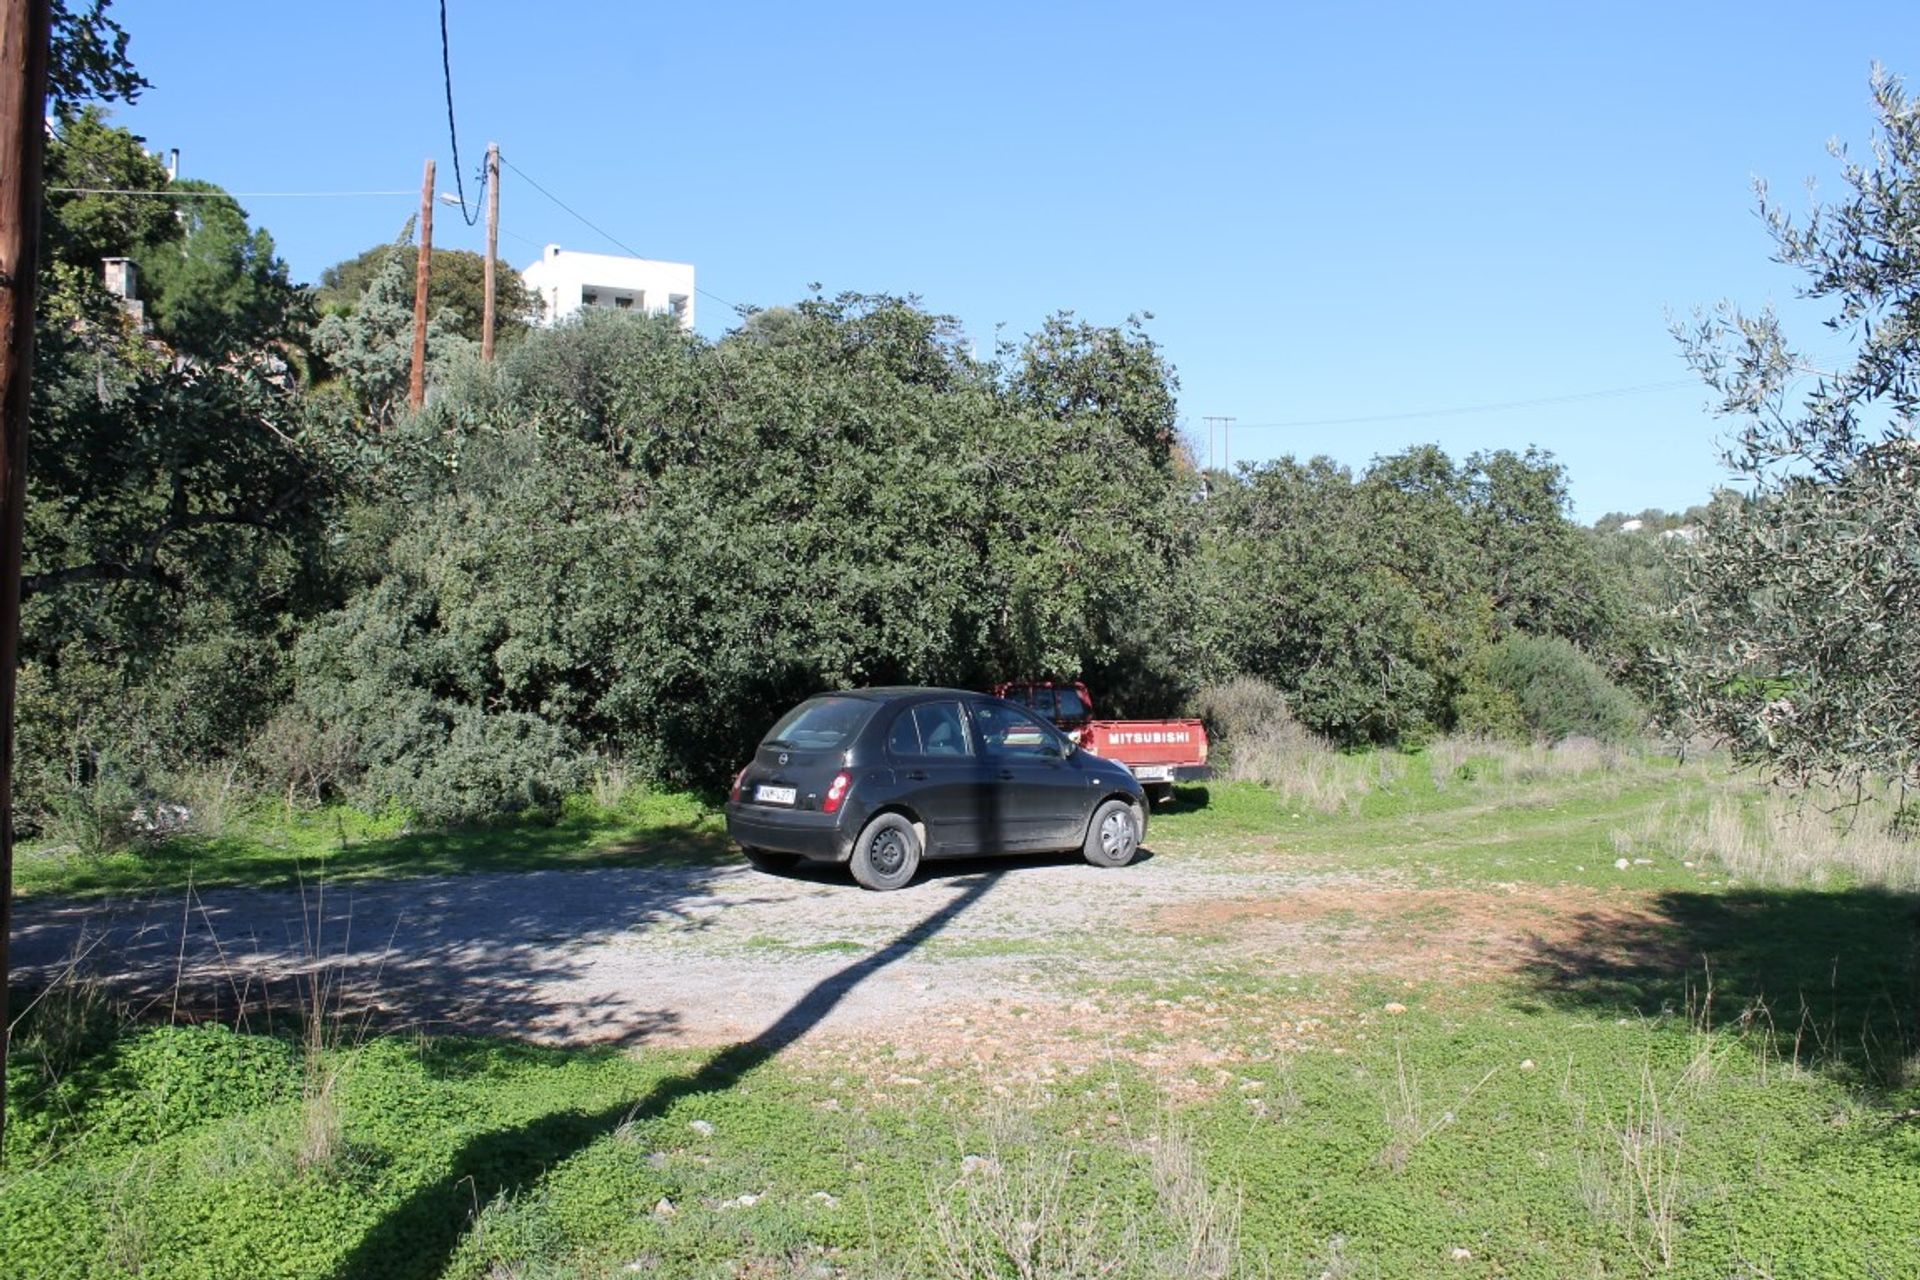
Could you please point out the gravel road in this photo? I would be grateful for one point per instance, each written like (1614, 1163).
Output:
(701, 955)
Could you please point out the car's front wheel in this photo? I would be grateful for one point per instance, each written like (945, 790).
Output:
(887, 854)
(1113, 837)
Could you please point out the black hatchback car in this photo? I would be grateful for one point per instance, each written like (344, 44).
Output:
(880, 778)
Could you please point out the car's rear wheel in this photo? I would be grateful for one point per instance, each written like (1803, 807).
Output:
(887, 854)
(769, 861)
(1113, 837)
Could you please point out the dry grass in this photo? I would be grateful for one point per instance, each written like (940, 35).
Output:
(1412, 1117)
(328, 1041)
(1205, 1218)
(214, 799)
(1307, 770)
(1256, 739)
(1630, 1168)
(613, 779)
(1011, 1215)
(1473, 759)
(128, 1234)
(1774, 837)
(1645, 1189)
(1013, 1211)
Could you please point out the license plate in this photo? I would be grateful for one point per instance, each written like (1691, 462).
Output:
(1153, 772)
(774, 795)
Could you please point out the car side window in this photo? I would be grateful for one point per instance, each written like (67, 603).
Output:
(1006, 731)
(904, 738)
(942, 732)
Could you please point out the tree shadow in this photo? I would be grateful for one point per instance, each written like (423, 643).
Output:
(418, 1239)
(263, 861)
(492, 954)
(1831, 980)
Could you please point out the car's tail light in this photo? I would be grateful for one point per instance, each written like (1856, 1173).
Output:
(734, 795)
(837, 793)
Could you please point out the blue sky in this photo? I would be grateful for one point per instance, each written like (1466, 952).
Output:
(1334, 212)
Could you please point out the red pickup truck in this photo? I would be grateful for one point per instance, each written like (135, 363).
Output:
(1159, 752)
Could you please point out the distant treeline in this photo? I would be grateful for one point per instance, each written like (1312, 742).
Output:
(623, 540)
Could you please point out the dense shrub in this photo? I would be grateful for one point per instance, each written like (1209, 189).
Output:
(1560, 691)
(632, 542)
(1368, 598)
(623, 540)
(1239, 711)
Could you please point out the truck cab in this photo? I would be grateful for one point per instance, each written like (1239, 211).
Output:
(1158, 753)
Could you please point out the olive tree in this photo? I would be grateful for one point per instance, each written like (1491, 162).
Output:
(1802, 610)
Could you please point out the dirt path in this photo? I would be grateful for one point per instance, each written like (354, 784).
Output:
(1047, 958)
(699, 955)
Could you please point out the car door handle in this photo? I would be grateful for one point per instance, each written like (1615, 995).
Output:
(1007, 774)
(918, 775)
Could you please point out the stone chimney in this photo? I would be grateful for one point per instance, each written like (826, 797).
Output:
(123, 282)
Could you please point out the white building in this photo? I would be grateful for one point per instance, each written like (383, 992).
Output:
(567, 280)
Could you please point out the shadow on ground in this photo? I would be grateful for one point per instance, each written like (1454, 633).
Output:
(211, 862)
(1831, 979)
(418, 1239)
(935, 870)
(492, 954)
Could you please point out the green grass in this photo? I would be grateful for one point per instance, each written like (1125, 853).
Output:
(172, 1153)
(1719, 1080)
(277, 848)
(1485, 828)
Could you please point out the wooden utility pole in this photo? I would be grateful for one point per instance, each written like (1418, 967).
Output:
(422, 276)
(493, 247)
(24, 27)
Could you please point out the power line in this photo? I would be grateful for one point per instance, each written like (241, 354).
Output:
(1607, 393)
(598, 229)
(453, 134)
(217, 195)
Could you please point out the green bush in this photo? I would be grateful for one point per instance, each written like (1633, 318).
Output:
(1560, 691)
(1483, 709)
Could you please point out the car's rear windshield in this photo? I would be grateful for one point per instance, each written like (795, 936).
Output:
(820, 724)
